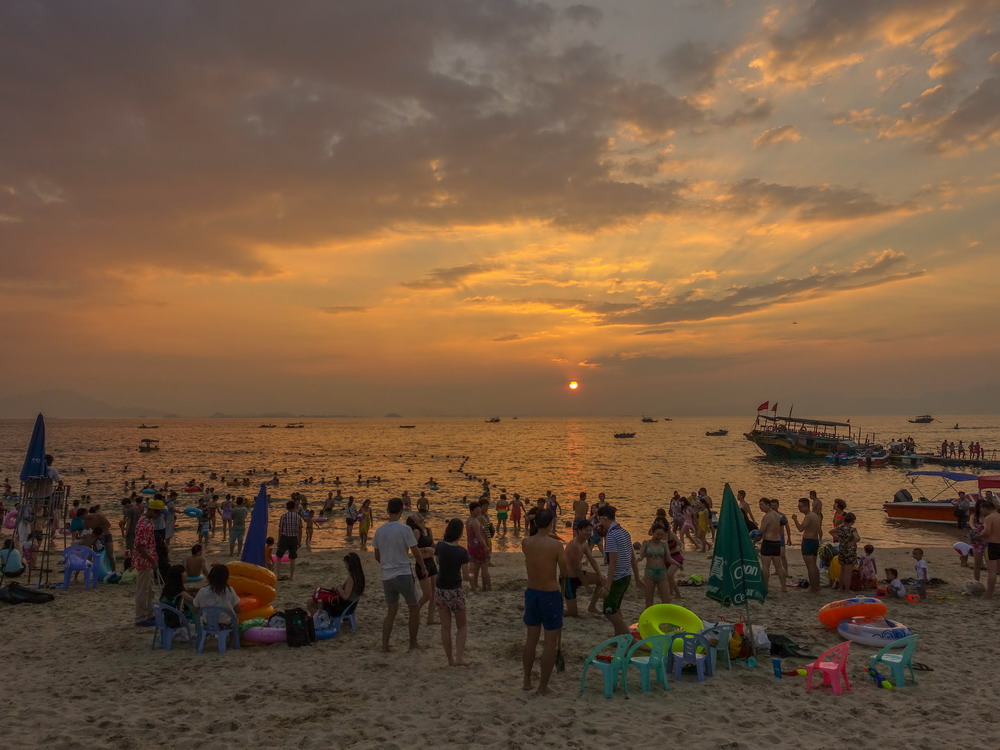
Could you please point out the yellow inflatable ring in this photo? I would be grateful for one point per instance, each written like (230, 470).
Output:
(249, 587)
(255, 572)
(668, 618)
(265, 612)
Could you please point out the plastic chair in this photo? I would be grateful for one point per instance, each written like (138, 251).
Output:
(80, 559)
(614, 669)
(163, 630)
(721, 634)
(833, 666)
(689, 654)
(347, 614)
(209, 618)
(898, 662)
(653, 664)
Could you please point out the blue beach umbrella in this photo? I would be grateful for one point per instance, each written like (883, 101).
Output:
(34, 461)
(253, 548)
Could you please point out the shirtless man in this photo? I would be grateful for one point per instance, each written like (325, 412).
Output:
(580, 507)
(812, 530)
(991, 536)
(770, 545)
(817, 505)
(576, 576)
(545, 562)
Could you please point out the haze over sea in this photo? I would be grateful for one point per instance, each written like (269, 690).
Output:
(526, 455)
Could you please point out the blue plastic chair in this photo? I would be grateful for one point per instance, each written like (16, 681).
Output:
(614, 670)
(209, 618)
(167, 632)
(721, 634)
(653, 664)
(898, 662)
(688, 654)
(80, 559)
(347, 614)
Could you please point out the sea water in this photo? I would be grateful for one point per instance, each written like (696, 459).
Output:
(525, 455)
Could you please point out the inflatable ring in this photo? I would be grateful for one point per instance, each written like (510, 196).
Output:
(654, 619)
(148, 491)
(873, 631)
(265, 635)
(193, 512)
(248, 603)
(320, 520)
(254, 572)
(250, 587)
(834, 613)
(255, 622)
(252, 614)
(194, 579)
(192, 489)
(10, 520)
(285, 558)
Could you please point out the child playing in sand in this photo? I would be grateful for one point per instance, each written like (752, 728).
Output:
(894, 587)
(867, 568)
(922, 571)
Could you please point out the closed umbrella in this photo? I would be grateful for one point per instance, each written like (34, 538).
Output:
(735, 576)
(34, 461)
(253, 548)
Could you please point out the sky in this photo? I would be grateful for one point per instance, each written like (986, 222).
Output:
(455, 207)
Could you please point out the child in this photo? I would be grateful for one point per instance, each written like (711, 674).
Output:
(894, 587)
(268, 549)
(867, 568)
(923, 574)
(502, 509)
(204, 528)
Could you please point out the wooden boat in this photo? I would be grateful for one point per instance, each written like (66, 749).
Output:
(493, 420)
(928, 510)
(792, 437)
(407, 426)
(922, 419)
(717, 433)
(145, 426)
(295, 426)
(267, 426)
(624, 434)
(872, 459)
(148, 444)
(648, 419)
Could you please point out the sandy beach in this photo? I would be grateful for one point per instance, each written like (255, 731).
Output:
(83, 676)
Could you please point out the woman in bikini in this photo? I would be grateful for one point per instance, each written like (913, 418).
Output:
(687, 525)
(655, 552)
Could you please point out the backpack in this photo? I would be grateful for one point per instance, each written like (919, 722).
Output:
(298, 628)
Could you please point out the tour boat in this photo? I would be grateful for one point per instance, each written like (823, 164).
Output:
(922, 419)
(148, 444)
(792, 437)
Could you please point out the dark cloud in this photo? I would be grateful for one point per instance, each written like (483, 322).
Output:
(696, 64)
(343, 309)
(449, 278)
(584, 14)
(975, 122)
(808, 202)
(509, 337)
(655, 332)
(188, 135)
(753, 110)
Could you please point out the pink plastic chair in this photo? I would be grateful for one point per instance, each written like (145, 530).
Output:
(833, 665)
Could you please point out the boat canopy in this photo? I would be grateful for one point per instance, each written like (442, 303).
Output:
(954, 476)
(805, 421)
(991, 481)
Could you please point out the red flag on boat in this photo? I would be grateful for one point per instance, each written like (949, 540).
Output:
(848, 421)
(763, 407)
(775, 407)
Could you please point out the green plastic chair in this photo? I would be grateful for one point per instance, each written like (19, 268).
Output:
(655, 663)
(614, 670)
(721, 634)
(898, 662)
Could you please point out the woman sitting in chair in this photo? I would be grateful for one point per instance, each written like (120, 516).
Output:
(218, 593)
(337, 599)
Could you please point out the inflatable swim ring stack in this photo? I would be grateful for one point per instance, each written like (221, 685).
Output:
(835, 613)
(255, 587)
(664, 619)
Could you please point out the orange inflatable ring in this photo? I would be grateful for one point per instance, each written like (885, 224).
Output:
(266, 611)
(250, 602)
(249, 587)
(255, 572)
(860, 606)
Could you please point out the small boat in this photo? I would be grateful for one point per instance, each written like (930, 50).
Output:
(930, 510)
(267, 426)
(145, 426)
(648, 419)
(873, 458)
(493, 420)
(148, 444)
(407, 426)
(922, 419)
(840, 459)
(717, 433)
(624, 434)
(294, 426)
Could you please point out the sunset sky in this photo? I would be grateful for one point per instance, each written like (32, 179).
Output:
(458, 206)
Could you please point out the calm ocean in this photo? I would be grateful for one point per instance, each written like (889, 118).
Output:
(522, 455)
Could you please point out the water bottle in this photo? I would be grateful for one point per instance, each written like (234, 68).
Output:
(776, 666)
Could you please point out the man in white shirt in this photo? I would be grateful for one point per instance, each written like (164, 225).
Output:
(393, 543)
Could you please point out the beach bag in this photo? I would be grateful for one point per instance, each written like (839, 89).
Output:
(297, 628)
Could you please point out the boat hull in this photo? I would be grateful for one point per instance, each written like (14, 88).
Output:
(793, 445)
(931, 512)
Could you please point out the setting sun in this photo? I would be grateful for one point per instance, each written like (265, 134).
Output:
(573, 385)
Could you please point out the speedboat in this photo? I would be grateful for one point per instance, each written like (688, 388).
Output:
(148, 444)
(493, 420)
(717, 433)
(624, 434)
(929, 510)
(873, 458)
(648, 419)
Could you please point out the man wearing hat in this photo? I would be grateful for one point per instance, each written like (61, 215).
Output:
(144, 562)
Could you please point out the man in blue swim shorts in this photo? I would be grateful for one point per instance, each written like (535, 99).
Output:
(545, 562)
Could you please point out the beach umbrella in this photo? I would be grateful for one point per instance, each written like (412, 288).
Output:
(34, 461)
(735, 576)
(253, 548)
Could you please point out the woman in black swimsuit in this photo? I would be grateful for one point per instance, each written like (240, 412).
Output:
(425, 546)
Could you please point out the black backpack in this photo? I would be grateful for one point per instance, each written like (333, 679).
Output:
(299, 628)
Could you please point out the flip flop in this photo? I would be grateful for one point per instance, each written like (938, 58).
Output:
(921, 667)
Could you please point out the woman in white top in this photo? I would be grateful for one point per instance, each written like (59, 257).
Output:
(218, 593)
